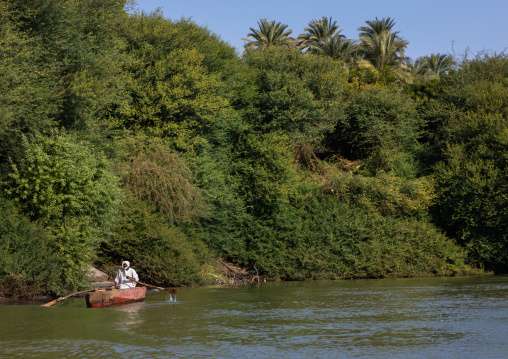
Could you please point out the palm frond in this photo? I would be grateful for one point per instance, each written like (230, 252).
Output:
(269, 34)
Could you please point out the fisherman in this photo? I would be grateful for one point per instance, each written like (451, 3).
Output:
(124, 272)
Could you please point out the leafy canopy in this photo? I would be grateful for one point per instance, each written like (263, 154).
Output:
(70, 189)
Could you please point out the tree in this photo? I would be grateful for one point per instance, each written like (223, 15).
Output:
(472, 188)
(471, 177)
(263, 168)
(434, 65)
(381, 128)
(343, 49)
(62, 66)
(295, 94)
(159, 177)
(414, 66)
(175, 95)
(28, 260)
(323, 37)
(318, 34)
(70, 190)
(270, 34)
(381, 46)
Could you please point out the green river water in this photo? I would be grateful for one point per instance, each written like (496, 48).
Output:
(465, 317)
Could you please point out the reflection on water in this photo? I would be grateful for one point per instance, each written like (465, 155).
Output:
(406, 318)
(133, 317)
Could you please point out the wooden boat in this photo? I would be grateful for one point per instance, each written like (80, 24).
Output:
(107, 298)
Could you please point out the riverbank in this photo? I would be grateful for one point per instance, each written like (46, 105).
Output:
(231, 275)
(221, 273)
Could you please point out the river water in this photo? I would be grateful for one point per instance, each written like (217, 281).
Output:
(465, 317)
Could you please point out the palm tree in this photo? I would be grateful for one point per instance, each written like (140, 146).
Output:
(346, 50)
(381, 46)
(414, 66)
(318, 34)
(435, 65)
(269, 34)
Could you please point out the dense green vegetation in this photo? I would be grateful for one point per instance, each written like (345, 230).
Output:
(133, 137)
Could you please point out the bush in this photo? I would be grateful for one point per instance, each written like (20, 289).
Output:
(295, 94)
(263, 171)
(471, 178)
(69, 190)
(382, 128)
(472, 186)
(327, 239)
(28, 261)
(385, 193)
(160, 253)
(159, 177)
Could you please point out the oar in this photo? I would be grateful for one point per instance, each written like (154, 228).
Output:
(167, 290)
(70, 295)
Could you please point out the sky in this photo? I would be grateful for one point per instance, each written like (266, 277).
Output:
(452, 27)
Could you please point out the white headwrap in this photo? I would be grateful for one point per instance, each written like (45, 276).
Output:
(126, 262)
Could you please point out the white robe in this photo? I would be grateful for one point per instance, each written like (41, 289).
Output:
(121, 278)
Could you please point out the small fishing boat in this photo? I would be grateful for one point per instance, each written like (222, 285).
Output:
(109, 297)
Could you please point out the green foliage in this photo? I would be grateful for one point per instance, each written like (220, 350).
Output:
(471, 182)
(161, 253)
(382, 48)
(363, 76)
(294, 94)
(61, 65)
(81, 55)
(381, 45)
(319, 34)
(434, 66)
(27, 257)
(69, 190)
(23, 98)
(265, 178)
(471, 177)
(154, 31)
(216, 53)
(325, 238)
(298, 165)
(482, 97)
(432, 89)
(385, 193)
(175, 94)
(381, 127)
(157, 176)
(227, 211)
(269, 35)
(489, 67)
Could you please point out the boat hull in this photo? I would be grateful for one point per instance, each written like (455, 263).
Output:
(108, 298)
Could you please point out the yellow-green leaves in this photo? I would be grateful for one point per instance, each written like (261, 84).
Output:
(67, 187)
(175, 96)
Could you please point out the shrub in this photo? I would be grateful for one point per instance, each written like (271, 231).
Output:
(472, 185)
(69, 190)
(327, 239)
(160, 253)
(382, 128)
(263, 170)
(385, 193)
(158, 176)
(28, 261)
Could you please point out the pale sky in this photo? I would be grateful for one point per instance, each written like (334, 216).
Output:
(431, 26)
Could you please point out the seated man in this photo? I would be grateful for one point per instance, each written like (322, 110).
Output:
(124, 272)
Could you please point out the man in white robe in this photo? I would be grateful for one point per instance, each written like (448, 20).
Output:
(124, 272)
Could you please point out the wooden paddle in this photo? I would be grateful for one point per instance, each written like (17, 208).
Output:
(70, 295)
(167, 290)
